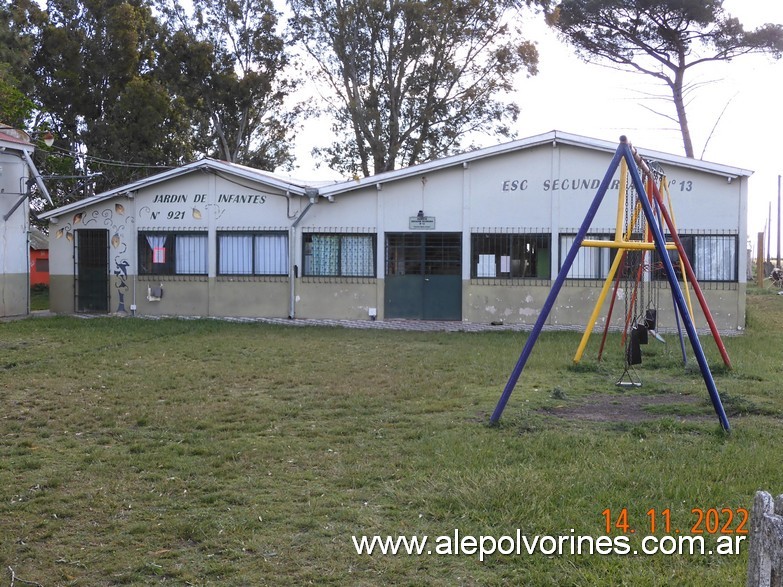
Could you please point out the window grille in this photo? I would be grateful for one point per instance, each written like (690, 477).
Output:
(430, 253)
(172, 253)
(241, 253)
(339, 255)
(713, 257)
(504, 256)
(590, 262)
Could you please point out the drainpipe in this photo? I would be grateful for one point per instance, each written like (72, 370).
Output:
(311, 193)
(36, 176)
(29, 291)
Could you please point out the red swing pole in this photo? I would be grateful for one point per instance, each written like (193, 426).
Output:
(685, 262)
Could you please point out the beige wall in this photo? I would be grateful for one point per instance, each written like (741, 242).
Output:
(519, 304)
(350, 301)
(208, 297)
(180, 298)
(61, 294)
(249, 298)
(522, 304)
(14, 294)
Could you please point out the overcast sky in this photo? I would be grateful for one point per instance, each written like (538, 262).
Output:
(598, 102)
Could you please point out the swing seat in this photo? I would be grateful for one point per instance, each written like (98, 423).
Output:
(633, 354)
(626, 380)
(627, 384)
(657, 336)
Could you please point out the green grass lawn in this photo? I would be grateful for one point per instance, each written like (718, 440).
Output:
(138, 452)
(39, 297)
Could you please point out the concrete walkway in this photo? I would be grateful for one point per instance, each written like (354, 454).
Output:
(393, 324)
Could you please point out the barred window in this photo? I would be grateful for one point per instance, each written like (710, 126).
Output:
(172, 253)
(339, 255)
(252, 253)
(510, 256)
(590, 262)
(713, 257)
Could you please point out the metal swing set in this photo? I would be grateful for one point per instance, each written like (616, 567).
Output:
(641, 212)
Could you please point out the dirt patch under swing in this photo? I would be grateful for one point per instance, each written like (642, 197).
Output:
(631, 407)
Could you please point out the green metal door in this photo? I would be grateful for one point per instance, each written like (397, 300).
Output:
(423, 276)
(92, 270)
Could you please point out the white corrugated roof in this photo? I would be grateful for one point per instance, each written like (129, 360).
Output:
(553, 137)
(325, 189)
(207, 164)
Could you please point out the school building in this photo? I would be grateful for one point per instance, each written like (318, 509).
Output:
(477, 237)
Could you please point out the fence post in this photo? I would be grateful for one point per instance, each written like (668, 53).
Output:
(765, 558)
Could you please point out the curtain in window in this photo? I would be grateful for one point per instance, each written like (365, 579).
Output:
(236, 254)
(271, 254)
(715, 258)
(325, 257)
(589, 263)
(356, 257)
(156, 243)
(191, 254)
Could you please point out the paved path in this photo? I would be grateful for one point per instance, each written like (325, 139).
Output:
(393, 324)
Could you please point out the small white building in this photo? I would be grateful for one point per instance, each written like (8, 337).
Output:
(476, 237)
(17, 176)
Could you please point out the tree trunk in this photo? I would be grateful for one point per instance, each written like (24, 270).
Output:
(682, 117)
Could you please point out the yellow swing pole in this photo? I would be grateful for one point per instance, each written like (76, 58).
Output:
(612, 270)
(621, 196)
(594, 316)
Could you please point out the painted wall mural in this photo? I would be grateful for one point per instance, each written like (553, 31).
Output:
(115, 220)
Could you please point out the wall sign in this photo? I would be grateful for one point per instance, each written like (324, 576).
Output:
(421, 223)
(579, 184)
(193, 205)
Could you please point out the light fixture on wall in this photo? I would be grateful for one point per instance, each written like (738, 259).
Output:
(420, 215)
(46, 136)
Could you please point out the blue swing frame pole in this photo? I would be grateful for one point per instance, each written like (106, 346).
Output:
(660, 246)
(558, 284)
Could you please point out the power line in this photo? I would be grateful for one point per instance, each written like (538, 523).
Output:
(111, 162)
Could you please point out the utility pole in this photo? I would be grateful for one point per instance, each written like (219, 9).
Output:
(769, 232)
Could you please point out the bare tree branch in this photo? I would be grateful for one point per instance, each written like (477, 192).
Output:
(661, 39)
(717, 121)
